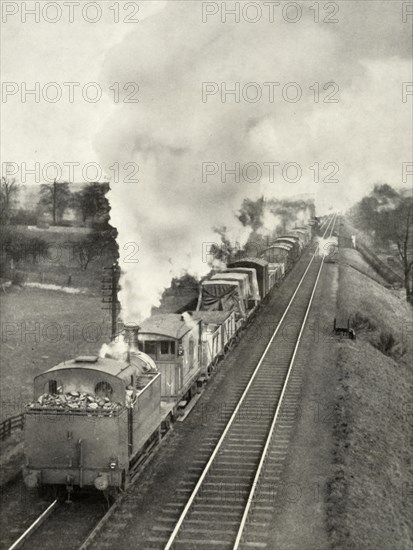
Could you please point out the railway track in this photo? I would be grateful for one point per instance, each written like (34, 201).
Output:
(238, 477)
(19, 510)
(68, 525)
(59, 524)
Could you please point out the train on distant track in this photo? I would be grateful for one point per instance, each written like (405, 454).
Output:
(94, 419)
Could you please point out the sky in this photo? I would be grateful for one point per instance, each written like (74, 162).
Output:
(321, 104)
(367, 53)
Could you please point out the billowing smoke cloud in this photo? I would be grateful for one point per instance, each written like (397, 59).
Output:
(171, 133)
(269, 216)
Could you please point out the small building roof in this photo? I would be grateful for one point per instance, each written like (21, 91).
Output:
(171, 325)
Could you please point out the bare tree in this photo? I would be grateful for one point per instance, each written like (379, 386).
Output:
(9, 190)
(55, 196)
(388, 215)
(98, 244)
(403, 225)
(86, 251)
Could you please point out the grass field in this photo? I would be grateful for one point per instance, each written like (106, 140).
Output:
(40, 329)
(59, 261)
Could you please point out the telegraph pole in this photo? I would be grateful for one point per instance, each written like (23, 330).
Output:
(110, 288)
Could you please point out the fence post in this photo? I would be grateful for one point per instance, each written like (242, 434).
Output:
(10, 424)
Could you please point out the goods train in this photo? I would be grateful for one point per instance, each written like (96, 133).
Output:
(93, 420)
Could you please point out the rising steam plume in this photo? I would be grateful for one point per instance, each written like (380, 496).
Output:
(171, 213)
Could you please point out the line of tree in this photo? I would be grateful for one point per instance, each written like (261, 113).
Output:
(386, 215)
(55, 198)
(91, 201)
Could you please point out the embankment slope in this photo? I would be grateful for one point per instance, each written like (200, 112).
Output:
(370, 494)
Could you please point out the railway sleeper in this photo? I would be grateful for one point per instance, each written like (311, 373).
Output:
(191, 543)
(211, 509)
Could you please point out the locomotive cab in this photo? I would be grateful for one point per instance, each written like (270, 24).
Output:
(174, 342)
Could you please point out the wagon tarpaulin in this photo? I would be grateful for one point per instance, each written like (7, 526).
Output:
(253, 281)
(240, 278)
(221, 295)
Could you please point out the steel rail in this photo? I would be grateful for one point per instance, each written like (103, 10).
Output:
(198, 485)
(275, 418)
(328, 219)
(44, 515)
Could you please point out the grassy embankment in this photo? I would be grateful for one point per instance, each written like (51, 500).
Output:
(370, 494)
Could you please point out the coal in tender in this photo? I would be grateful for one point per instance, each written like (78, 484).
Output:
(74, 401)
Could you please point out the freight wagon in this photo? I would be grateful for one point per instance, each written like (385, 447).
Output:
(294, 241)
(218, 336)
(266, 278)
(246, 290)
(254, 296)
(280, 253)
(304, 233)
(223, 295)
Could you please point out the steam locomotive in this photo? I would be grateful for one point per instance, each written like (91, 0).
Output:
(93, 420)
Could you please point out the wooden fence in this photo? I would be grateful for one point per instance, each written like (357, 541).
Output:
(10, 425)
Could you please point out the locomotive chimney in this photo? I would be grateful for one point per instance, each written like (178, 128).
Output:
(131, 336)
